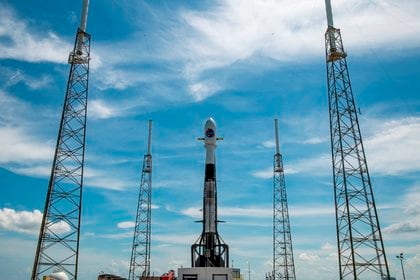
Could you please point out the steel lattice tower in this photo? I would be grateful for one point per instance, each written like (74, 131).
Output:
(283, 263)
(361, 250)
(58, 243)
(140, 253)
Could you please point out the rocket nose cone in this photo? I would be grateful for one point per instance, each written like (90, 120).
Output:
(210, 129)
(210, 121)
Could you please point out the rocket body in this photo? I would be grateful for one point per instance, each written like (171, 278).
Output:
(210, 250)
(210, 198)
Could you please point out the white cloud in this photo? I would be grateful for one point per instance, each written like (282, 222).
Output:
(88, 234)
(263, 174)
(235, 30)
(105, 180)
(269, 144)
(28, 222)
(203, 89)
(27, 44)
(315, 140)
(327, 247)
(320, 165)
(113, 76)
(98, 109)
(311, 211)
(262, 212)
(403, 227)
(19, 147)
(308, 257)
(60, 227)
(315, 264)
(122, 72)
(316, 165)
(195, 212)
(14, 76)
(12, 109)
(394, 149)
(20, 221)
(39, 82)
(246, 212)
(174, 239)
(255, 27)
(92, 177)
(23, 153)
(229, 31)
(232, 30)
(119, 235)
(126, 225)
(413, 265)
(33, 170)
(408, 221)
(118, 267)
(20, 151)
(412, 202)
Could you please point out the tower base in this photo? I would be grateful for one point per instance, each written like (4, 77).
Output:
(210, 251)
(209, 273)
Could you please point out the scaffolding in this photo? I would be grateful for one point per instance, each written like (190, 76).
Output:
(283, 263)
(140, 253)
(58, 243)
(361, 252)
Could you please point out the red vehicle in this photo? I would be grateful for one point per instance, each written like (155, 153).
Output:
(170, 275)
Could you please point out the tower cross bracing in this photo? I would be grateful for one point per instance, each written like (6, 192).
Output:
(140, 253)
(58, 243)
(361, 252)
(283, 262)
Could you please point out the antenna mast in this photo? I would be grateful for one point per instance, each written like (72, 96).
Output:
(140, 253)
(361, 252)
(58, 243)
(283, 263)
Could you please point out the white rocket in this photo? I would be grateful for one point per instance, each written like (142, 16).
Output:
(210, 250)
(210, 197)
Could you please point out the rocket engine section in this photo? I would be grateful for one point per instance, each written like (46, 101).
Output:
(210, 250)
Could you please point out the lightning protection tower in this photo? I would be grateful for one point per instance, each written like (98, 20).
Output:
(58, 243)
(283, 263)
(361, 252)
(140, 253)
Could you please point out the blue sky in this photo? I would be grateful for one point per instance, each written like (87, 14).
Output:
(179, 62)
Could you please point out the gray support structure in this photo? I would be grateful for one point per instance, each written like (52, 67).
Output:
(58, 243)
(140, 253)
(361, 252)
(283, 262)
